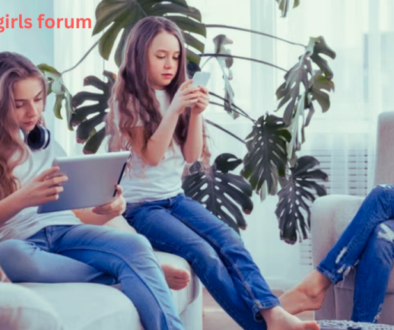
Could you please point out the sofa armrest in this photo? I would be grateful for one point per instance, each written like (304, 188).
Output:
(329, 217)
(21, 308)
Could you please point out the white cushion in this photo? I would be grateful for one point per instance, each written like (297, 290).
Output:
(88, 306)
(22, 309)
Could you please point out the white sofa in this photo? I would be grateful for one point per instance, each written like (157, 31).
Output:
(330, 216)
(88, 306)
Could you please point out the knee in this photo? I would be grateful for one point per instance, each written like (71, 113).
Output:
(384, 233)
(136, 242)
(11, 250)
(16, 260)
(380, 191)
(203, 253)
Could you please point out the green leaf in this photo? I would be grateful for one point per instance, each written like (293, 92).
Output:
(57, 87)
(187, 24)
(297, 196)
(58, 106)
(79, 117)
(192, 57)
(113, 16)
(193, 42)
(162, 9)
(316, 47)
(107, 11)
(94, 142)
(289, 92)
(225, 63)
(221, 191)
(84, 130)
(285, 4)
(49, 70)
(294, 144)
(81, 97)
(81, 114)
(318, 85)
(267, 157)
(121, 44)
(108, 39)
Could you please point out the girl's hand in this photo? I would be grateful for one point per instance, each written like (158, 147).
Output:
(115, 208)
(184, 97)
(44, 188)
(202, 102)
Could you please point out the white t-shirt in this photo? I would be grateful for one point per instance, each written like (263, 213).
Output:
(152, 183)
(28, 222)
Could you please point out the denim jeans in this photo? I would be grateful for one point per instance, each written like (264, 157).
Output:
(182, 226)
(368, 245)
(87, 253)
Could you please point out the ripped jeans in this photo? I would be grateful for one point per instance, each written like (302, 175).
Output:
(367, 244)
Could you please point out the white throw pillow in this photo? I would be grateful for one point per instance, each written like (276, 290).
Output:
(22, 309)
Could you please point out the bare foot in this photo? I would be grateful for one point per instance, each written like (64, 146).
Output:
(308, 295)
(3, 276)
(278, 319)
(176, 278)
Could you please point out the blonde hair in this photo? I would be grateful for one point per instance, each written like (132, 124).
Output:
(13, 68)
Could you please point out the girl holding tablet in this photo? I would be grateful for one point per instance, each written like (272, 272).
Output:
(156, 114)
(57, 247)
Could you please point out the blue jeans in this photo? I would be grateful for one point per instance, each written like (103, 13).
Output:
(87, 253)
(367, 244)
(182, 226)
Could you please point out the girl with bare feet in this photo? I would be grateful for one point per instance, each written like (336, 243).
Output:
(367, 244)
(58, 247)
(157, 115)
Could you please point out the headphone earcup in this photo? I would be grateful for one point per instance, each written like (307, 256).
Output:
(38, 138)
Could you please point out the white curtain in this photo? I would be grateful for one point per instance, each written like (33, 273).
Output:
(70, 46)
(343, 139)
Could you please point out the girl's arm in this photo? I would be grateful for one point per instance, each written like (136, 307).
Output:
(9, 207)
(194, 142)
(159, 142)
(161, 139)
(100, 215)
(44, 188)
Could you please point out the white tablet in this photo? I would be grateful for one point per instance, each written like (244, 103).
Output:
(91, 180)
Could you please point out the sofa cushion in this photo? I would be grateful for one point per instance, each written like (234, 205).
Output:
(22, 309)
(88, 306)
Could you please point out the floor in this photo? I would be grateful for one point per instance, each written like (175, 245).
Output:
(215, 318)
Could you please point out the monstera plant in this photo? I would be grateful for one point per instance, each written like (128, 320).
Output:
(271, 160)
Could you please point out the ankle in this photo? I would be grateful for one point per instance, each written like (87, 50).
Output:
(272, 314)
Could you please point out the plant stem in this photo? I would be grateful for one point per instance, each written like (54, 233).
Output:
(222, 105)
(252, 31)
(210, 58)
(244, 58)
(81, 60)
(243, 113)
(224, 130)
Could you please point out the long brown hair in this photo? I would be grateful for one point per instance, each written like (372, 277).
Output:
(133, 99)
(13, 68)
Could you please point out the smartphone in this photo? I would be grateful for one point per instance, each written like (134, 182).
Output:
(200, 79)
